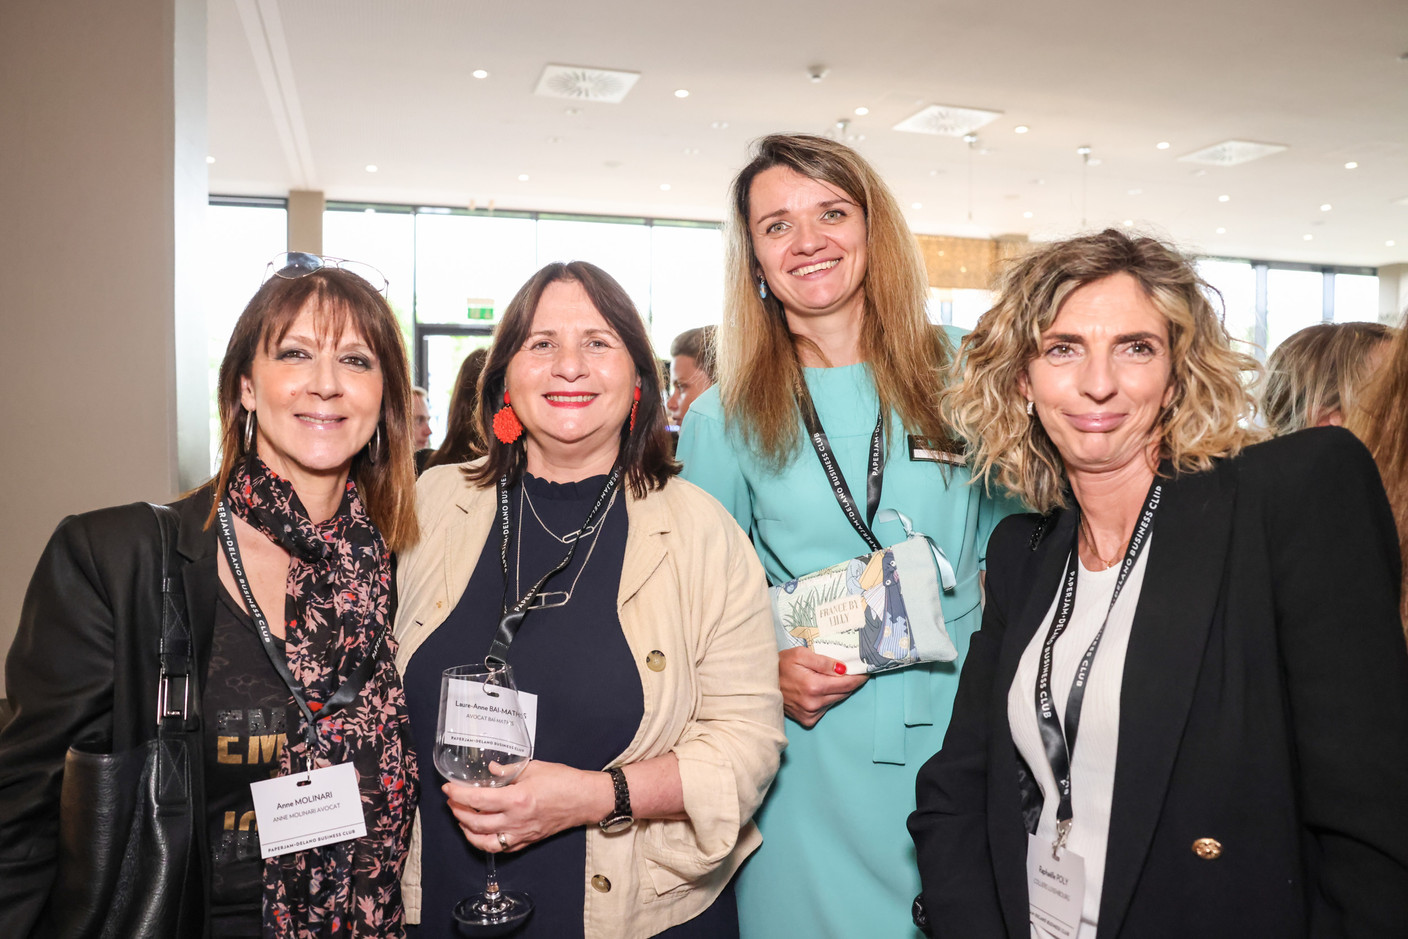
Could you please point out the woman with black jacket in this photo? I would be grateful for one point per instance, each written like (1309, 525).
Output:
(281, 567)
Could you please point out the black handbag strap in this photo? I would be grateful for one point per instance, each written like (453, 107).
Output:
(175, 712)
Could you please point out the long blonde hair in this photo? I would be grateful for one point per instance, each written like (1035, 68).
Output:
(1317, 372)
(759, 369)
(1380, 418)
(1210, 413)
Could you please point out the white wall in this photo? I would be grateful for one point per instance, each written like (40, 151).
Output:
(103, 187)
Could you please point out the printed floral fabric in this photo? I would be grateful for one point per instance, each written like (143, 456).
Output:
(338, 600)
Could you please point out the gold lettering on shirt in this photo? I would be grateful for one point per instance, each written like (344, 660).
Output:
(264, 748)
(246, 821)
(222, 750)
(229, 821)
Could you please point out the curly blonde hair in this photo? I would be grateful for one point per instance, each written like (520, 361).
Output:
(1209, 415)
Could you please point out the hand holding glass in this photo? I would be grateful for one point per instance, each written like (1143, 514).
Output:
(481, 722)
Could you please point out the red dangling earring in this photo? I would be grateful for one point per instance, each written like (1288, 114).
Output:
(635, 403)
(507, 426)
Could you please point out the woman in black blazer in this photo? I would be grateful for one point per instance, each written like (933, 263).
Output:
(1242, 702)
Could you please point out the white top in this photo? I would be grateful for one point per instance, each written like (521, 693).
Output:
(1093, 769)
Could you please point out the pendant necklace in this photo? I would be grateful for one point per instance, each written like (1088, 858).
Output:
(542, 601)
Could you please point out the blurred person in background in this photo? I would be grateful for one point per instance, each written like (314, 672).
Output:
(464, 439)
(691, 371)
(1314, 376)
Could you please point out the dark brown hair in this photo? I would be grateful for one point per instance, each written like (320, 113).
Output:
(464, 438)
(759, 369)
(645, 451)
(338, 300)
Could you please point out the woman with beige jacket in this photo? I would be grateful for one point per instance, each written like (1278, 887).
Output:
(658, 716)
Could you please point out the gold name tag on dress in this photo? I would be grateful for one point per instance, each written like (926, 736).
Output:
(924, 450)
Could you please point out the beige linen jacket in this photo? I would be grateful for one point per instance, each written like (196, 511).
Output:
(694, 609)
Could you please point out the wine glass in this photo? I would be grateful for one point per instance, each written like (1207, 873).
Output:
(481, 722)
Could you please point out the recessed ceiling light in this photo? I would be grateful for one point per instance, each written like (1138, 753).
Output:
(1083, 150)
(1026, 215)
(1307, 237)
(210, 159)
(933, 172)
(523, 177)
(1135, 192)
(916, 205)
(1224, 198)
(862, 112)
(1094, 161)
(1390, 243)
(1020, 129)
(1222, 231)
(1351, 165)
(691, 151)
(681, 92)
(719, 125)
(371, 167)
(1128, 222)
(664, 187)
(1161, 145)
(1326, 207)
(479, 73)
(571, 112)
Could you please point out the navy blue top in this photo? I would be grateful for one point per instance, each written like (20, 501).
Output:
(574, 657)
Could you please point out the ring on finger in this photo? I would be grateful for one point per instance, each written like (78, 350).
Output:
(503, 841)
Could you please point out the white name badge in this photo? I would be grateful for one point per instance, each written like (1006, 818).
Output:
(1055, 889)
(477, 717)
(307, 810)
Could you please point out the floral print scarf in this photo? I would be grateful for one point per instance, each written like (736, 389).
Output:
(338, 599)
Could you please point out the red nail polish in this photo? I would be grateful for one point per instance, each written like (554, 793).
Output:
(840, 668)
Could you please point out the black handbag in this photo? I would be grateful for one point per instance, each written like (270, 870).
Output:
(126, 866)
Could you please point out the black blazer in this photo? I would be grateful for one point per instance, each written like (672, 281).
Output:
(83, 669)
(1264, 704)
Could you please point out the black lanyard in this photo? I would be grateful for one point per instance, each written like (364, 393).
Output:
(1060, 747)
(512, 616)
(346, 692)
(873, 478)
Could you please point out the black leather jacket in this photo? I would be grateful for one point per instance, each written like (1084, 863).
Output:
(83, 669)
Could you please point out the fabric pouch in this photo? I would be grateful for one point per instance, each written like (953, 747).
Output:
(875, 612)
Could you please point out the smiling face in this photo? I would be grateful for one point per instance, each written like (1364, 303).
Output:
(809, 240)
(571, 384)
(1102, 376)
(316, 403)
(687, 382)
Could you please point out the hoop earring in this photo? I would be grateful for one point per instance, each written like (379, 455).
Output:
(762, 287)
(507, 427)
(635, 403)
(248, 430)
(374, 446)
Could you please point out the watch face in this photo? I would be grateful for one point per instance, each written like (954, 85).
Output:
(617, 824)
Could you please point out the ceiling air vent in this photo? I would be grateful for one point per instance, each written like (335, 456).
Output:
(1232, 152)
(948, 120)
(582, 83)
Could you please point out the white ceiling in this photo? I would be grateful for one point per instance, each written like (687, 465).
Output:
(306, 93)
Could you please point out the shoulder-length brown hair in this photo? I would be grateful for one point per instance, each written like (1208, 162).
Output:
(1380, 418)
(1318, 371)
(645, 451)
(759, 369)
(1209, 416)
(340, 300)
(464, 440)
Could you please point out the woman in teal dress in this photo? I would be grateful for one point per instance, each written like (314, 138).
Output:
(826, 291)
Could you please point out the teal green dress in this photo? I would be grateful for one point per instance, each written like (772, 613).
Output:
(837, 860)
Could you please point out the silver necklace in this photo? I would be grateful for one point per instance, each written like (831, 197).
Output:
(571, 536)
(559, 597)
